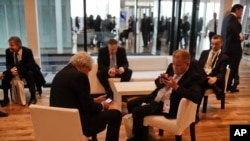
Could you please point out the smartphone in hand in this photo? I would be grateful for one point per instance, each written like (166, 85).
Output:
(108, 100)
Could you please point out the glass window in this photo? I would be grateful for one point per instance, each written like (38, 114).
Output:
(12, 22)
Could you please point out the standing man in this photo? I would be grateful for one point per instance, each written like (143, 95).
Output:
(145, 30)
(212, 27)
(182, 82)
(112, 62)
(231, 30)
(185, 27)
(71, 89)
(20, 62)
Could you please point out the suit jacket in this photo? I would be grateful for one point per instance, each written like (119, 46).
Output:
(230, 33)
(104, 59)
(27, 63)
(71, 89)
(220, 67)
(189, 87)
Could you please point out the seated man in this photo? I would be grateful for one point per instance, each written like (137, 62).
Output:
(183, 81)
(195, 65)
(71, 89)
(20, 63)
(214, 62)
(112, 62)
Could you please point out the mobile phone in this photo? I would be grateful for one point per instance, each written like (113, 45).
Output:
(165, 78)
(108, 100)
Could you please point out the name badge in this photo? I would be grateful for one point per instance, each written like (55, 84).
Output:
(166, 106)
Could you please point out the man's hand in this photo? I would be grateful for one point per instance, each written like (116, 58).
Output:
(100, 98)
(163, 76)
(171, 83)
(1, 76)
(120, 70)
(112, 72)
(211, 80)
(105, 105)
(14, 71)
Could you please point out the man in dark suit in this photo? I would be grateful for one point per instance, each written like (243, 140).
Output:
(230, 32)
(112, 62)
(183, 81)
(71, 89)
(145, 30)
(214, 63)
(20, 62)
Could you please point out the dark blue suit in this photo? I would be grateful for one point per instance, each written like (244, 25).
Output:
(231, 29)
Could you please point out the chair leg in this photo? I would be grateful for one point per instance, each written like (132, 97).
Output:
(223, 102)
(161, 132)
(204, 107)
(178, 138)
(192, 131)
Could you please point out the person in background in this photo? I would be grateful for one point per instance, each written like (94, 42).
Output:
(231, 34)
(20, 62)
(145, 30)
(199, 29)
(212, 27)
(185, 28)
(77, 24)
(71, 89)
(182, 82)
(112, 63)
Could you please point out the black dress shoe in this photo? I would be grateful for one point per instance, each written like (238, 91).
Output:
(234, 90)
(2, 114)
(32, 101)
(5, 102)
(39, 90)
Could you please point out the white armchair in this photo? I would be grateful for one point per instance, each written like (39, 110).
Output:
(185, 117)
(56, 124)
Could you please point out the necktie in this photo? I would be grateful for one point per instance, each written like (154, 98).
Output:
(215, 26)
(214, 60)
(16, 59)
(112, 61)
(211, 59)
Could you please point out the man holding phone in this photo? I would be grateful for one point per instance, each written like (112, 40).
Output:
(182, 82)
(112, 62)
(70, 88)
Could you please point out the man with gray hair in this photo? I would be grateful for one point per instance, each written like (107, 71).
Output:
(71, 89)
